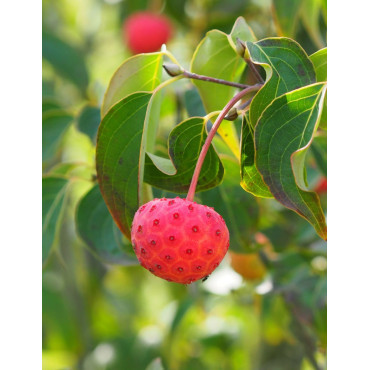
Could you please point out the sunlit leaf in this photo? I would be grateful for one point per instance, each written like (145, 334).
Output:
(96, 227)
(53, 195)
(319, 151)
(251, 179)
(141, 72)
(287, 68)
(319, 60)
(282, 136)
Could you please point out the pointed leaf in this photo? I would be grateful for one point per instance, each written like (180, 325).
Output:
(242, 31)
(251, 179)
(53, 195)
(287, 68)
(141, 72)
(98, 230)
(54, 125)
(319, 150)
(184, 145)
(282, 136)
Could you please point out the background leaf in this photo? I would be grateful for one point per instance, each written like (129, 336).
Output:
(141, 72)
(88, 121)
(282, 136)
(184, 145)
(54, 125)
(66, 59)
(287, 68)
(53, 195)
(286, 14)
(96, 227)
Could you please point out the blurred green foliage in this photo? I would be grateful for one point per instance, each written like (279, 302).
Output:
(102, 316)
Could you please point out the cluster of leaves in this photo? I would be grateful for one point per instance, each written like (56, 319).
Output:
(276, 150)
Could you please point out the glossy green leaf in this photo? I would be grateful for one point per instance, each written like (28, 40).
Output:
(88, 121)
(238, 208)
(141, 72)
(96, 227)
(251, 179)
(242, 31)
(319, 60)
(287, 68)
(286, 13)
(54, 125)
(53, 195)
(66, 60)
(119, 151)
(282, 136)
(184, 145)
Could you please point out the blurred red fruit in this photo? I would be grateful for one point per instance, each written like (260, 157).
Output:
(146, 32)
(321, 187)
(179, 240)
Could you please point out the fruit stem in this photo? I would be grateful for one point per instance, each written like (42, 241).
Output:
(212, 133)
(196, 76)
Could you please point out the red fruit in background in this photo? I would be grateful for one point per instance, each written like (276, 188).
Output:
(322, 186)
(179, 240)
(146, 32)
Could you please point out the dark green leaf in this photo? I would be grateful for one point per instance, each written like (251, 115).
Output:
(119, 151)
(96, 227)
(53, 195)
(54, 125)
(49, 104)
(251, 179)
(88, 121)
(287, 68)
(193, 103)
(185, 143)
(66, 60)
(282, 136)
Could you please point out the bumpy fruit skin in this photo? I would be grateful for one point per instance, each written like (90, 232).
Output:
(146, 32)
(179, 240)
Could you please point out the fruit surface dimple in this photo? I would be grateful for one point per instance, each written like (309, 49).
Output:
(182, 241)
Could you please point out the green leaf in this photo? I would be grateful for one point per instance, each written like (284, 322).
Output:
(287, 68)
(156, 364)
(96, 227)
(49, 104)
(319, 150)
(54, 125)
(310, 13)
(242, 31)
(141, 72)
(238, 208)
(251, 179)
(119, 151)
(88, 121)
(53, 195)
(319, 60)
(286, 13)
(282, 136)
(193, 103)
(184, 145)
(66, 60)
